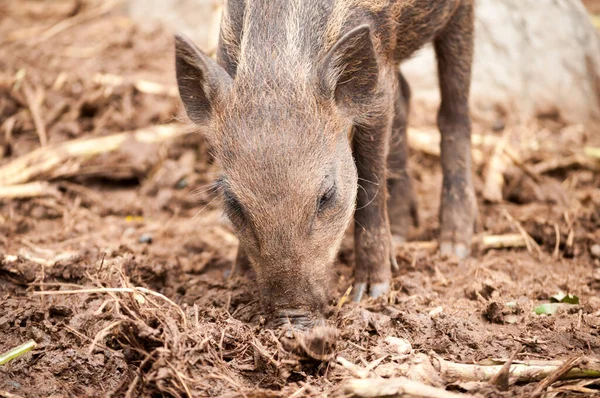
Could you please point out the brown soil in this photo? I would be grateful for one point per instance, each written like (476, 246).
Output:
(593, 6)
(159, 227)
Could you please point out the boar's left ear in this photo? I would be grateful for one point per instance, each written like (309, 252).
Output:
(349, 71)
(202, 82)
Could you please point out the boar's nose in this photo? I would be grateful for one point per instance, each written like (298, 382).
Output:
(297, 319)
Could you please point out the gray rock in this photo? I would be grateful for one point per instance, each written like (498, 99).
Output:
(532, 58)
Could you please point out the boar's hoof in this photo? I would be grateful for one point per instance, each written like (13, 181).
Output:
(296, 319)
(459, 250)
(359, 291)
(377, 289)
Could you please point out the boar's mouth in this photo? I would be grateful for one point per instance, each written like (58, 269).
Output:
(296, 319)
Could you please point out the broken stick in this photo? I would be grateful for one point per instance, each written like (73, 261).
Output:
(591, 151)
(396, 387)
(75, 20)
(502, 378)
(520, 371)
(8, 259)
(34, 101)
(556, 163)
(143, 86)
(428, 142)
(30, 190)
(495, 170)
(485, 242)
(554, 376)
(44, 161)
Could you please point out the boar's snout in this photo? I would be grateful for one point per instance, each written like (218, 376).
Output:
(297, 319)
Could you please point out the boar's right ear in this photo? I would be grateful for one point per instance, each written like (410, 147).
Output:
(349, 72)
(202, 82)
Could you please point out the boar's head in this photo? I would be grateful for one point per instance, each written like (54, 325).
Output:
(280, 130)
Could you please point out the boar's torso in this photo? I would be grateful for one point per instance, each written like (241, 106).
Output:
(281, 32)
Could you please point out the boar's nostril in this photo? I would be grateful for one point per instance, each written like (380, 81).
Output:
(297, 319)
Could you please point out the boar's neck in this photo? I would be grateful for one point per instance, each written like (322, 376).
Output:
(282, 42)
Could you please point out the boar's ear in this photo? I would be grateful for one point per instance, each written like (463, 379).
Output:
(202, 82)
(349, 71)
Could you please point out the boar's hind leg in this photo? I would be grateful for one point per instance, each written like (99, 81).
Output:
(402, 203)
(372, 238)
(454, 51)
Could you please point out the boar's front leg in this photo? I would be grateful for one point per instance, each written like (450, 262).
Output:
(454, 51)
(372, 238)
(350, 76)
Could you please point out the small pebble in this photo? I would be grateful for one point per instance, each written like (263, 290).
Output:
(511, 319)
(436, 311)
(595, 250)
(145, 238)
(402, 347)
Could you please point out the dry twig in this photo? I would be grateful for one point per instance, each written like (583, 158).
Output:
(501, 379)
(9, 258)
(592, 152)
(133, 290)
(485, 242)
(428, 142)
(529, 241)
(143, 86)
(556, 163)
(75, 20)
(495, 170)
(47, 161)
(34, 101)
(517, 161)
(396, 387)
(521, 371)
(554, 376)
(355, 370)
(29, 190)
(6, 394)
(557, 244)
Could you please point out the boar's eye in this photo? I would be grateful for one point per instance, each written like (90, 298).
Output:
(326, 198)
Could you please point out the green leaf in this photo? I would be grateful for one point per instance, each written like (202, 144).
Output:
(547, 308)
(564, 298)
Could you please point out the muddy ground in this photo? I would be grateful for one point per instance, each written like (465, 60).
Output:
(144, 216)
